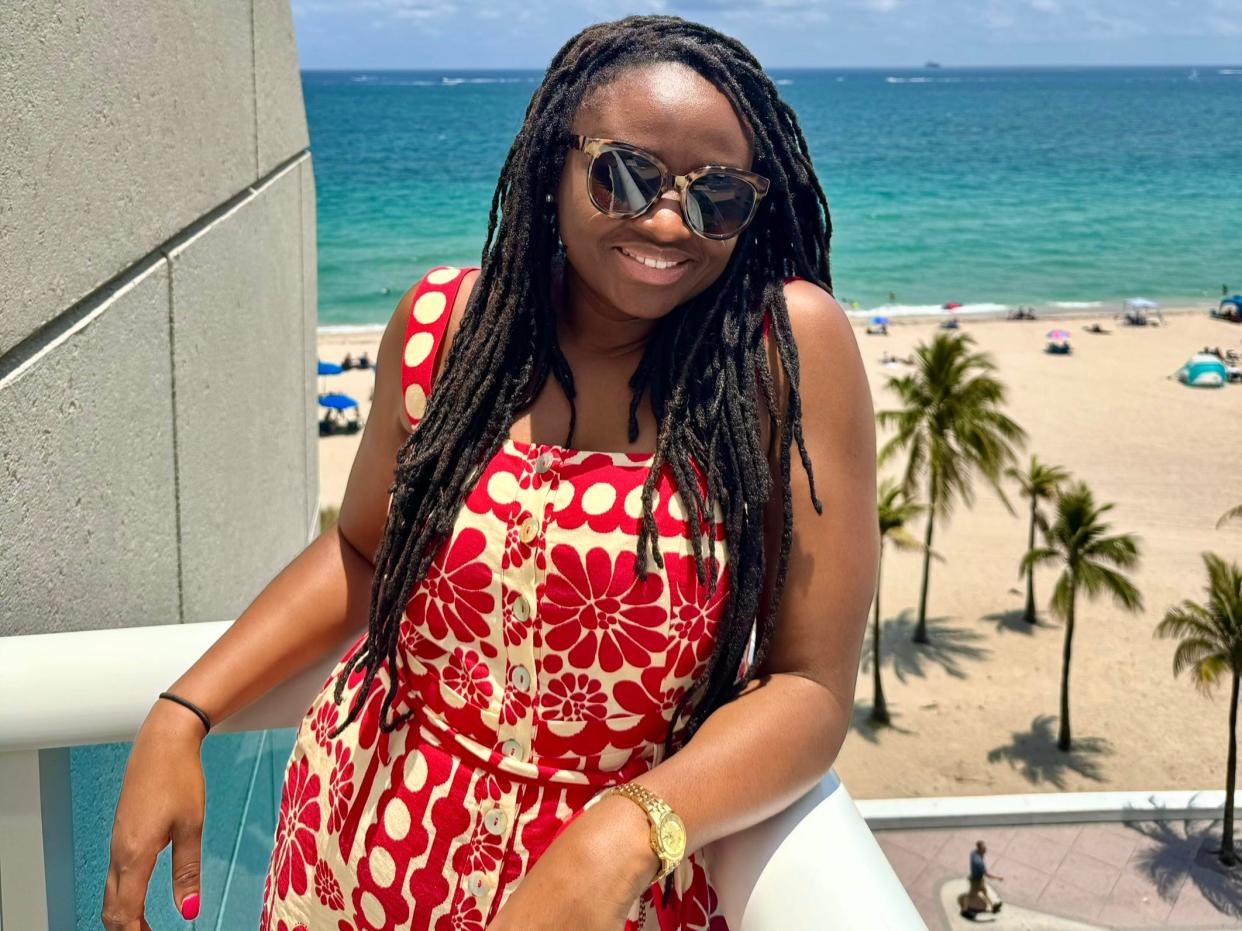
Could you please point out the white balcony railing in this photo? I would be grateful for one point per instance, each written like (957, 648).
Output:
(814, 866)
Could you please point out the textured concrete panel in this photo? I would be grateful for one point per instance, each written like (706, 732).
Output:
(240, 399)
(278, 85)
(122, 123)
(310, 301)
(88, 517)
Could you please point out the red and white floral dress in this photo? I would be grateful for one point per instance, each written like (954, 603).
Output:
(540, 671)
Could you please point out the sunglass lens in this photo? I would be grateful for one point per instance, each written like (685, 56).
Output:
(623, 182)
(720, 205)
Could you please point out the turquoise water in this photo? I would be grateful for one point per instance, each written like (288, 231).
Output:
(977, 186)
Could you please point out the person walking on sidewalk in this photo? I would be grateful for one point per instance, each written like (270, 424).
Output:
(979, 897)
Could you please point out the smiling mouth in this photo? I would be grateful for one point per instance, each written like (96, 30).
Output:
(651, 262)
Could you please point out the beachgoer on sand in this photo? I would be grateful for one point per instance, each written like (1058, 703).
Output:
(979, 897)
(550, 702)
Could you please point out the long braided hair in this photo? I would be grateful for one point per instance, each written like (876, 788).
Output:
(699, 369)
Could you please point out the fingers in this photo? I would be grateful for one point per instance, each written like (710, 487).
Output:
(125, 894)
(187, 856)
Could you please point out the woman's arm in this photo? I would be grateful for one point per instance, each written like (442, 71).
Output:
(308, 609)
(758, 754)
(325, 592)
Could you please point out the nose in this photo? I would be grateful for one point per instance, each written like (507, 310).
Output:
(664, 222)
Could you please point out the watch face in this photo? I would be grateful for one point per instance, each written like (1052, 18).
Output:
(672, 835)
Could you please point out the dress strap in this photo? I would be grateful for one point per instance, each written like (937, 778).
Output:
(429, 315)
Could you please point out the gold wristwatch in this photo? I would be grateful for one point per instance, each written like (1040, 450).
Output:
(668, 834)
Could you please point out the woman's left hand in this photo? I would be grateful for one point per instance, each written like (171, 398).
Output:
(589, 877)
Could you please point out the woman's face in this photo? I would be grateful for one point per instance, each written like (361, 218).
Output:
(676, 114)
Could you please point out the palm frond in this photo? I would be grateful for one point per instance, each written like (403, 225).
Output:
(1231, 514)
(1210, 633)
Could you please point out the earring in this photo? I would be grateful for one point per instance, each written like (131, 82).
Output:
(548, 198)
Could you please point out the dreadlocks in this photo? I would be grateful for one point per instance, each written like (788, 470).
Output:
(699, 369)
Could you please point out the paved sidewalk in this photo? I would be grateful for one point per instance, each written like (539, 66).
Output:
(1075, 877)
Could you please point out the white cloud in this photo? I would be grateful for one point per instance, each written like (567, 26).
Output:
(414, 9)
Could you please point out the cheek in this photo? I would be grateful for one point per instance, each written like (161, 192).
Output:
(574, 215)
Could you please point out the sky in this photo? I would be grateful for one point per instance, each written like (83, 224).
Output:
(474, 34)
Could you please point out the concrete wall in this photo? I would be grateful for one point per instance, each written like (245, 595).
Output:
(157, 311)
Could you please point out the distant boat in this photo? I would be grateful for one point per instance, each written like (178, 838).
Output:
(1194, 75)
(931, 64)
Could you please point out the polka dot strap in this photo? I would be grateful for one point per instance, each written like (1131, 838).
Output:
(429, 316)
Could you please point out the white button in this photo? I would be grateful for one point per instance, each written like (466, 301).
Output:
(528, 531)
(512, 749)
(477, 884)
(521, 608)
(543, 463)
(520, 677)
(495, 821)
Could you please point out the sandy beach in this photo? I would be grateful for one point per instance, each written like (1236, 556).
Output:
(975, 712)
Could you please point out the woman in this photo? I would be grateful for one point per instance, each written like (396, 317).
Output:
(599, 569)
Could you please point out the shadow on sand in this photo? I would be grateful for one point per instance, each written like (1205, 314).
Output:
(949, 647)
(1013, 622)
(861, 723)
(1034, 754)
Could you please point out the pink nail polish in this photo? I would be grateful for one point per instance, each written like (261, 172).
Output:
(189, 907)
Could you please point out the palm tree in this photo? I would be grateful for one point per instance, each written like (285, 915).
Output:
(1231, 514)
(1211, 647)
(895, 511)
(1091, 562)
(1039, 482)
(951, 424)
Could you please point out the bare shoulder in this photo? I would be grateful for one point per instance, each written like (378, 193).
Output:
(832, 381)
(824, 340)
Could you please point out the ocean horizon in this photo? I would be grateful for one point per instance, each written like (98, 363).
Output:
(988, 187)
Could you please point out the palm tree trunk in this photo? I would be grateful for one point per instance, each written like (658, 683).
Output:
(879, 710)
(1029, 615)
(1227, 855)
(920, 631)
(1063, 739)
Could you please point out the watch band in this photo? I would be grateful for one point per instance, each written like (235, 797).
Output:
(657, 812)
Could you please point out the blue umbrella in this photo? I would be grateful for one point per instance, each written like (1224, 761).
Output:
(340, 402)
(880, 321)
(329, 368)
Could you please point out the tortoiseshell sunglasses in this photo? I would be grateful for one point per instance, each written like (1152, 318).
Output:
(717, 202)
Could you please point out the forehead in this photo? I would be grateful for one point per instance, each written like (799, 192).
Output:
(670, 109)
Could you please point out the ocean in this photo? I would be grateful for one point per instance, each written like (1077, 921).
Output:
(984, 187)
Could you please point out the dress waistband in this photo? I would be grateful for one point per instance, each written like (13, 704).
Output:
(437, 732)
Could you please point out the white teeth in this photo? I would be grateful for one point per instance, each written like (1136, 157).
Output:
(651, 263)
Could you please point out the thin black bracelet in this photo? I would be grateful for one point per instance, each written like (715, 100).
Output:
(202, 715)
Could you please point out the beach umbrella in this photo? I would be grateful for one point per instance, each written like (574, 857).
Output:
(329, 368)
(336, 401)
(1058, 334)
(880, 321)
(952, 305)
